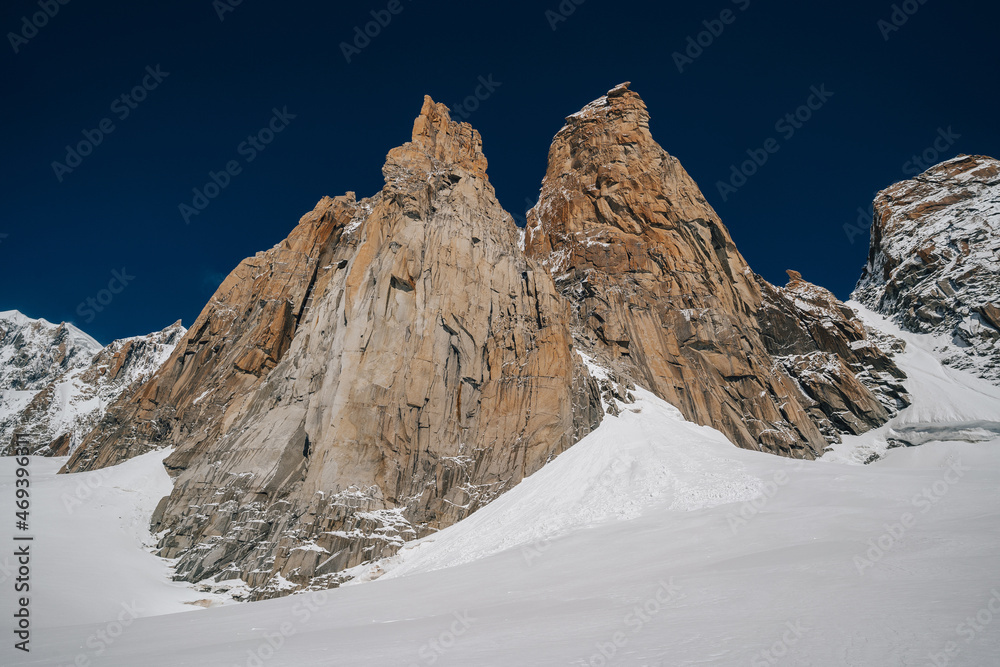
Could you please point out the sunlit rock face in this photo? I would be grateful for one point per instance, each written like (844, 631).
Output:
(393, 365)
(659, 289)
(399, 361)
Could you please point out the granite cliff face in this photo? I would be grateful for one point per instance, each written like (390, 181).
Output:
(660, 292)
(843, 369)
(399, 361)
(934, 262)
(393, 366)
(239, 337)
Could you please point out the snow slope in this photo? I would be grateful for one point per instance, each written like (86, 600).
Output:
(648, 457)
(90, 530)
(652, 541)
(948, 404)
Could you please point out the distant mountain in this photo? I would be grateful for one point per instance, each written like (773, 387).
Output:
(56, 381)
(934, 263)
(33, 353)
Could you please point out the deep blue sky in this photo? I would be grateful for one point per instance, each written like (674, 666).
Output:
(119, 208)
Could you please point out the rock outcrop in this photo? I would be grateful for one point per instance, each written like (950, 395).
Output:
(66, 409)
(660, 291)
(934, 262)
(239, 337)
(391, 367)
(399, 361)
(844, 368)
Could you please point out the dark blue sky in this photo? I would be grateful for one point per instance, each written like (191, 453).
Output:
(61, 241)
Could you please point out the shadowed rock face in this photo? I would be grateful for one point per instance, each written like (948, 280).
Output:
(845, 370)
(935, 258)
(392, 366)
(659, 289)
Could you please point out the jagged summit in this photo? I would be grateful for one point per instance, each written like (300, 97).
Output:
(659, 289)
(401, 360)
(447, 143)
(614, 100)
(394, 365)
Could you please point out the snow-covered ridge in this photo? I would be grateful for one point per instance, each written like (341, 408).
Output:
(934, 264)
(56, 381)
(33, 353)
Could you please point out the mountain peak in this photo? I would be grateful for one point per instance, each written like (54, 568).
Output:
(933, 259)
(620, 106)
(437, 144)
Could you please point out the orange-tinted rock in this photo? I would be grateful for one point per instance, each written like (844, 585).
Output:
(659, 289)
(393, 366)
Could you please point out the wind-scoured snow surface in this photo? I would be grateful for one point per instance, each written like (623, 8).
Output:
(652, 541)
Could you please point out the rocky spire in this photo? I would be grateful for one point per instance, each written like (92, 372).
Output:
(405, 337)
(659, 289)
(399, 361)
